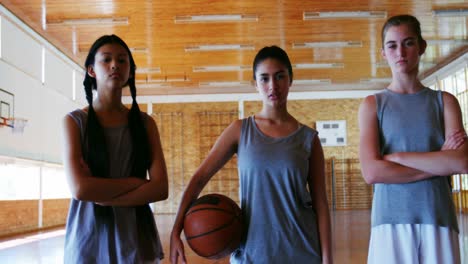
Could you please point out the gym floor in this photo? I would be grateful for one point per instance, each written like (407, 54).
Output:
(350, 241)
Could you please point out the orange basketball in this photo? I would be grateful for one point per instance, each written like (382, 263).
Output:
(213, 226)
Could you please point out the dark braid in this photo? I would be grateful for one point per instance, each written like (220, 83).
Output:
(139, 135)
(96, 154)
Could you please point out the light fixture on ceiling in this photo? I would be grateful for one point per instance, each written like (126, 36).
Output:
(219, 47)
(106, 21)
(318, 65)
(170, 80)
(344, 14)
(311, 81)
(223, 84)
(381, 64)
(151, 84)
(327, 44)
(446, 41)
(376, 80)
(139, 50)
(221, 68)
(450, 12)
(149, 70)
(216, 18)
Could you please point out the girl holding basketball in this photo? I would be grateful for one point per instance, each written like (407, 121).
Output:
(411, 139)
(108, 151)
(281, 170)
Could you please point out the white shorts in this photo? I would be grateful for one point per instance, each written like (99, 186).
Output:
(413, 244)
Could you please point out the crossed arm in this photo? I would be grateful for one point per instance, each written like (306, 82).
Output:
(406, 167)
(129, 191)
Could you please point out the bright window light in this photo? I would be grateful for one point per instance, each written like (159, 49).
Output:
(1, 36)
(19, 182)
(43, 65)
(74, 85)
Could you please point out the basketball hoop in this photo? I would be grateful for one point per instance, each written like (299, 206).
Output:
(17, 124)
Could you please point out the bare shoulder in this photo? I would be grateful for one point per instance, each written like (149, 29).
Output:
(369, 101)
(232, 132)
(149, 122)
(449, 99)
(368, 106)
(234, 128)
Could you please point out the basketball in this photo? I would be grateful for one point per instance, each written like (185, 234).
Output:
(213, 226)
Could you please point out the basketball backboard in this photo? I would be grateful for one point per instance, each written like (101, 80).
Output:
(7, 104)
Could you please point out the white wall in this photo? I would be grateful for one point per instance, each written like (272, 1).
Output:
(43, 104)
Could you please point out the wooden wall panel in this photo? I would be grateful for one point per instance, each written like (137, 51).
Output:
(18, 216)
(188, 130)
(54, 212)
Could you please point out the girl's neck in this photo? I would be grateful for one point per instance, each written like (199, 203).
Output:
(101, 104)
(405, 84)
(275, 114)
(109, 100)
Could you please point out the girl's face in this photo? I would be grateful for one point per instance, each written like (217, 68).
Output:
(272, 80)
(402, 49)
(111, 66)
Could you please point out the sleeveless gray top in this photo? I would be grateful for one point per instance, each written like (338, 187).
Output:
(412, 123)
(88, 241)
(275, 202)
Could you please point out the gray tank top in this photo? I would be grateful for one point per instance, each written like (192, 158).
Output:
(123, 240)
(276, 205)
(412, 123)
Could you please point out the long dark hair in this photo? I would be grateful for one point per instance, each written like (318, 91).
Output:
(98, 160)
(273, 52)
(97, 156)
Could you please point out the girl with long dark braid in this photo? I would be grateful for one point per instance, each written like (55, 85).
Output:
(114, 164)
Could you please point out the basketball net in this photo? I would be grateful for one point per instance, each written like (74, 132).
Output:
(16, 124)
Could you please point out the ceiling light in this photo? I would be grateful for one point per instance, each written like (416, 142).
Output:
(215, 18)
(446, 41)
(91, 21)
(376, 80)
(139, 50)
(222, 84)
(168, 80)
(450, 12)
(311, 81)
(382, 64)
(150, 84)
(327, 44)
(219, 47)
(345, 14)
(220, 68)
(149, 70)
(318, 65)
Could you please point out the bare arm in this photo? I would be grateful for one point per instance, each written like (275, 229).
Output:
(224, 148)
(374, 168)
(156, 189)
(83, 185)
(446, 161)
(317, 189)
